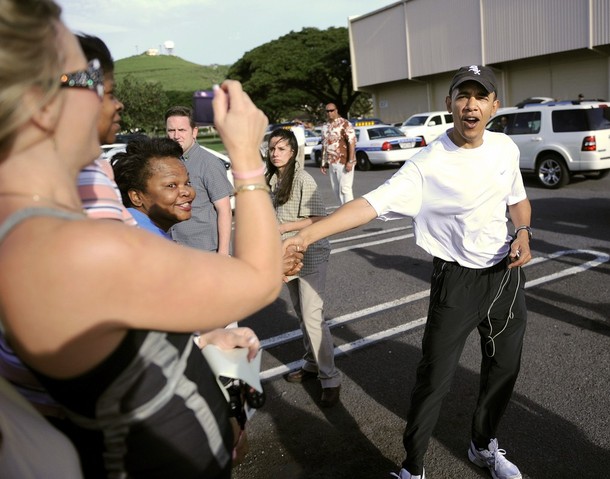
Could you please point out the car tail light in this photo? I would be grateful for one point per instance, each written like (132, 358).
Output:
(589, 144)
(421, 141)
(386, 146)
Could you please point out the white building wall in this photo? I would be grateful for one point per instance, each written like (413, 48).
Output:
(442, 35)
(562, 77)
(405, 53)
(600, 22)
(381, 49)
(518, 29)
(389, 100)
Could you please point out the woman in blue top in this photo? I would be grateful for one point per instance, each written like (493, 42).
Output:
(154, 183)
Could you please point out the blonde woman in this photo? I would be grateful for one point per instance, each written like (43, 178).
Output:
(100, 311)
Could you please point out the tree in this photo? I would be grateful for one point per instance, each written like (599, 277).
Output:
(145, 104)
(301, 71)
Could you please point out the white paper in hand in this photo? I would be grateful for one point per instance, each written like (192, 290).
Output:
(234, 364)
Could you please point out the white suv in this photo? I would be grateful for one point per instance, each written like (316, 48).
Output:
(428, 126)
(559, 139)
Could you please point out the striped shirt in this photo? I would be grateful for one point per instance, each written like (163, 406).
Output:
(99, 193)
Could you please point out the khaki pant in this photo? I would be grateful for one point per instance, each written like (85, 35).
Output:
(307, 295)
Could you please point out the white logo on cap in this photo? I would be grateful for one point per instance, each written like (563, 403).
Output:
(474, 69)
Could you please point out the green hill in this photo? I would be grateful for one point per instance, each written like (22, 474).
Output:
(173, 73)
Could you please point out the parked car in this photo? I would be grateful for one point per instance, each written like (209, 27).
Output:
(108, 152)
(319, 130)
(366, 121)
(120, 142)
(557, 140)
(311, 140)
(378, 145)
(534, 99)
(428, 125)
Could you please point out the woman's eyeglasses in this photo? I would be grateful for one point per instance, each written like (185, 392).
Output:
(92, 78)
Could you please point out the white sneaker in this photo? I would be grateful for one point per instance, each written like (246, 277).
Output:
(493, 458)
(404, 474)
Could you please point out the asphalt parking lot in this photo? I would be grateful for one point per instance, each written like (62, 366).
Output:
(556, 425)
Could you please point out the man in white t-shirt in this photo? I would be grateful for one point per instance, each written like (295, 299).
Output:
(457, 190)
(299, 132)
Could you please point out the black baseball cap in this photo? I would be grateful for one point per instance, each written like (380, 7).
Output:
(481, 74)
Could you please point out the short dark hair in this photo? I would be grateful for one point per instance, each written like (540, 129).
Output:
(132, 168)
(181, 111)
(94, 47)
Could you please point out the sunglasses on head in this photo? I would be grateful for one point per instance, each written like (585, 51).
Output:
(91, 78)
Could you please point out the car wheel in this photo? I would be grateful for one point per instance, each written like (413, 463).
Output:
(362, 161)
(552, 171)
(318, 158)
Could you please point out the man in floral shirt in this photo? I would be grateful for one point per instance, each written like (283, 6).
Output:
(339, 153)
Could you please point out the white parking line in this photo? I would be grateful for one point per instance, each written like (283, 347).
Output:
(370, 243)
(346, 318)
(271, 373)
(368, 235)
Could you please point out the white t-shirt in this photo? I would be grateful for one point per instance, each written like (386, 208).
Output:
(457, 198)
(299, 133)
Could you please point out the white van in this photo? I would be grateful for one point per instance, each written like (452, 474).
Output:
(428, 126)
(560, 139)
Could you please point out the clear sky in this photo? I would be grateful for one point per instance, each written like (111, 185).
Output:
(204, 31)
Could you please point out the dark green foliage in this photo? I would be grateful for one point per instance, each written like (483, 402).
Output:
(301, 71)
(174, 98)
(149, 85)
(145, 103)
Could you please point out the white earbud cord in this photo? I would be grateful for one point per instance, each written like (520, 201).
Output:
(503, 283)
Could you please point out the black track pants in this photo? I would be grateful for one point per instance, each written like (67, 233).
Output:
(459, 301)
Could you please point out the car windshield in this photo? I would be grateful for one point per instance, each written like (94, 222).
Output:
(415, 121)
(384, 132)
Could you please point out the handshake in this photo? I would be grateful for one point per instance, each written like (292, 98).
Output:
(292, 260)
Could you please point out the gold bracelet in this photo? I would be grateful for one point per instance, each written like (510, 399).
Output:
(251, 187)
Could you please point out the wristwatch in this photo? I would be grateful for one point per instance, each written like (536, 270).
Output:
(524, 227)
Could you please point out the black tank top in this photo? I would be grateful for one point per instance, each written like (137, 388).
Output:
(151, 409)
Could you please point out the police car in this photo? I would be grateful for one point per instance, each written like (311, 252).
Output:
(379, 144)
(311, 139)
(366, 121)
